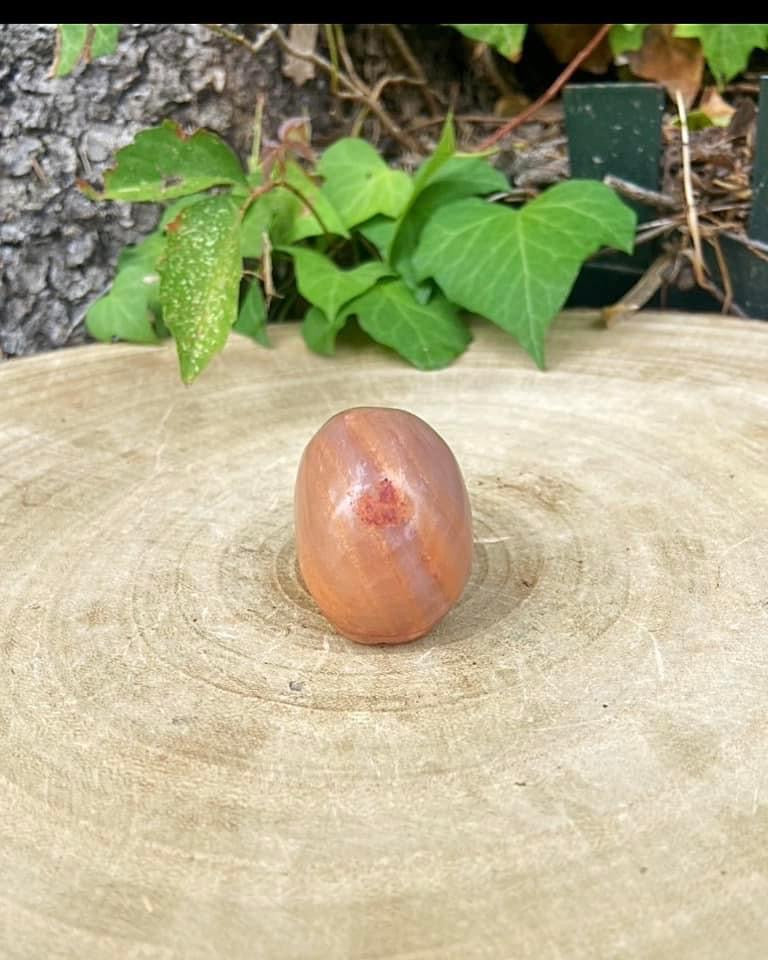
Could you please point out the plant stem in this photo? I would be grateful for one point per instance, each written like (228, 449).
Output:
(651, 198)
(331, 43)
(253, 45)
(725, 273)
(354, 87)
(559, 83)
(258, 117)
(690, 202)
(636, 298)
(393, 32)
(376, 93)
(296, 192)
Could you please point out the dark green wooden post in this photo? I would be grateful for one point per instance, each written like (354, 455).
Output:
(614, 128)
(748, 271)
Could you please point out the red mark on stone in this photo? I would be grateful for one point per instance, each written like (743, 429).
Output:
(383, 506)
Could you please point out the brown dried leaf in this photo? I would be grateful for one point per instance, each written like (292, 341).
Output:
(714, 107)
(565, 40)
(743, 120)
(511, 105)
(676, 63)
(303, 36)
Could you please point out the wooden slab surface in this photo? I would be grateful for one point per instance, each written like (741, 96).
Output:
(573, 766)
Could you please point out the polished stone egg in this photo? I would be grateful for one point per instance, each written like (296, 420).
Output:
(383, 524)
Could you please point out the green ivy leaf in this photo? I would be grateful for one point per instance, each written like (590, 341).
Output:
(428, 335)
(516, 267)
(427, 172)
(285, 212)
(252, 318)
(319, 332)
(458, 177)
(407, 237)
(82, 41)
(474, 173)
(379, 231)
(403, 234)
(292, 218)
(163, 163)
(200, 280)
(70, 42)
(329, 287)
(625, 37)
(104, 39)
(359, 184)
(256, 222)
(121, 315)
(698, 120)
(726, 46)
(507, 38)
(130, 310)
(174, 209)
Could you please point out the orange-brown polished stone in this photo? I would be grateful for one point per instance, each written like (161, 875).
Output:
(383, 524)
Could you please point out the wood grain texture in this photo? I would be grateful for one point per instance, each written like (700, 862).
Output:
(573, 765)
(383, 524)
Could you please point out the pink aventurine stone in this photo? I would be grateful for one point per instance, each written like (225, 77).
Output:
(383, 524)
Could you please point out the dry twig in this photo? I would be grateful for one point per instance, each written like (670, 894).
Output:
(559, 83)
(341, 46)
(636, 298)
(253, 45)
(724, 273)
(41, 174)
(479, 118)
(657, 228)
(651, 198)
(759, 249)
(353, 85)
(712, 288)
(392, 31)
(690, 201)
(375, 93)
(258, 118)
(330, 39)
